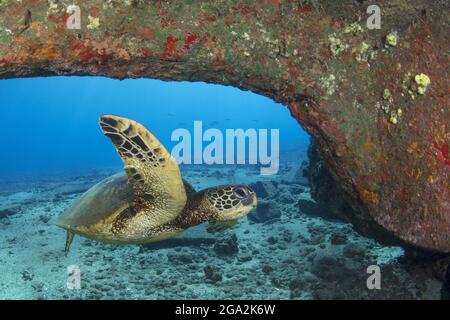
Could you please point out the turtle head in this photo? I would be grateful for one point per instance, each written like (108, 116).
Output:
(230, 202)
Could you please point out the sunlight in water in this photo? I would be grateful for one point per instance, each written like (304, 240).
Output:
(52, 123)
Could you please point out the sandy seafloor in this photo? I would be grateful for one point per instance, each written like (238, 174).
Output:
(293, 256)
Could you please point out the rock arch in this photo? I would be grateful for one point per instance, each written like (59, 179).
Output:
(382, 132)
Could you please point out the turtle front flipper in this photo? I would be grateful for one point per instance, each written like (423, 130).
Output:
(69, 239)
(219, 226)
(159, 193)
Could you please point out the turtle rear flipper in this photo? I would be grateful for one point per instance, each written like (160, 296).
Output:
(69, 239)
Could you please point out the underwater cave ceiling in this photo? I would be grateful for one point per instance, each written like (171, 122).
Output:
(376, 102)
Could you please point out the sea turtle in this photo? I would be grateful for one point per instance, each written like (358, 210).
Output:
(151, 202)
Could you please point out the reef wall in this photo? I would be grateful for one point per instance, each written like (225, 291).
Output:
(376, 102)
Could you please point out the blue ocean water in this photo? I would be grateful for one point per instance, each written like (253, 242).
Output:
(51, 124)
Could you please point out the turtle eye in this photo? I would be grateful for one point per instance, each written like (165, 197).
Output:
(240, 192)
